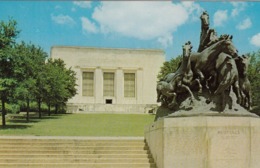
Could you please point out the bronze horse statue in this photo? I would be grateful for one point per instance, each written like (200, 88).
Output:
(180, 81)
(244, 83)
(216, 68)
(204, 30)
(227, 77)
(203, 63)
(164, 92)
(183, 76)
(207, 36)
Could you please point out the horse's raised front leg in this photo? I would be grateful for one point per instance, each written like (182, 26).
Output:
(188, 89)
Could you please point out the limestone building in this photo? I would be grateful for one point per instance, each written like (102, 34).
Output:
(112, 80)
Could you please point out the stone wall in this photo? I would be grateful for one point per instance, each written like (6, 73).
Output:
(110, 108)
(205, 142)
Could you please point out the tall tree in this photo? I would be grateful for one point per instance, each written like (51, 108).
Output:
(25, 64)
(8, 34)
(61, 81)
(41, 75)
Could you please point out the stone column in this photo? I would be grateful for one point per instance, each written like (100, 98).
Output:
(139, 86)
(79, 81)
(98, 85)
(119, 86)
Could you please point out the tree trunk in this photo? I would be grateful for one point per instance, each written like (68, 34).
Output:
(27, 110)
(39, 108)
(49, 109)
(3, 113)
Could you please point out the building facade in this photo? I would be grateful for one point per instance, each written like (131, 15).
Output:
(112, 80)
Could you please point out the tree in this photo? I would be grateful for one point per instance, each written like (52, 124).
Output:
(8, 34)
(61, 83)
(169, 67)
(24, 76)
(254, 77)
(25, 64)
(40, 75)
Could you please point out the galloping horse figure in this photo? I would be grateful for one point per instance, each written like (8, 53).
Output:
(178, 80)
(184, 78)
(185, 68)
(203, 64)
(207, 36)
(164, 92)
(244, 83)
(227, 76)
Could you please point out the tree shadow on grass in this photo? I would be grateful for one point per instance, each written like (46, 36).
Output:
(15, 127)
(56, 116)
(23, 121)
(35, 117)
(20, 122)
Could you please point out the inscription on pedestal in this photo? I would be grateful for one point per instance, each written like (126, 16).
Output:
(188, 142)
(229, 148)
(229, 139)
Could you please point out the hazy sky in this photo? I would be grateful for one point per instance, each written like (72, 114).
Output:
(165, 25)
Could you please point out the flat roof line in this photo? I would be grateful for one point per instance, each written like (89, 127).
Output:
(101, 48)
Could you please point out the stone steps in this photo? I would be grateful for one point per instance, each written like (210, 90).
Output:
(71, 142)
(77, 165)
(39, 143)
(76, 160)
(80, 148)
(13, 151)
(119, 156)
(54, 152)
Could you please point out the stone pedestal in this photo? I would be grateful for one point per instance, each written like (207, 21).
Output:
(205, 142)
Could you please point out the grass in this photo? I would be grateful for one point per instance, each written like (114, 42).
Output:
(80, 125)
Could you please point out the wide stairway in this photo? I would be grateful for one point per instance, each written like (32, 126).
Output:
(57, 152)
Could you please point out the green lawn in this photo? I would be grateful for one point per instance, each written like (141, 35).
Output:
(80, 125)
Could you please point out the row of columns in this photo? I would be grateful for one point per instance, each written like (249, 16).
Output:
(119, 86)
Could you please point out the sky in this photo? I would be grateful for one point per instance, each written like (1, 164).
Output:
(164, 25)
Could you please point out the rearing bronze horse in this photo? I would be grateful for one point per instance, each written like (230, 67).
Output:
(183, 77)
(204, 30)
(178, 81)
(207, 36)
